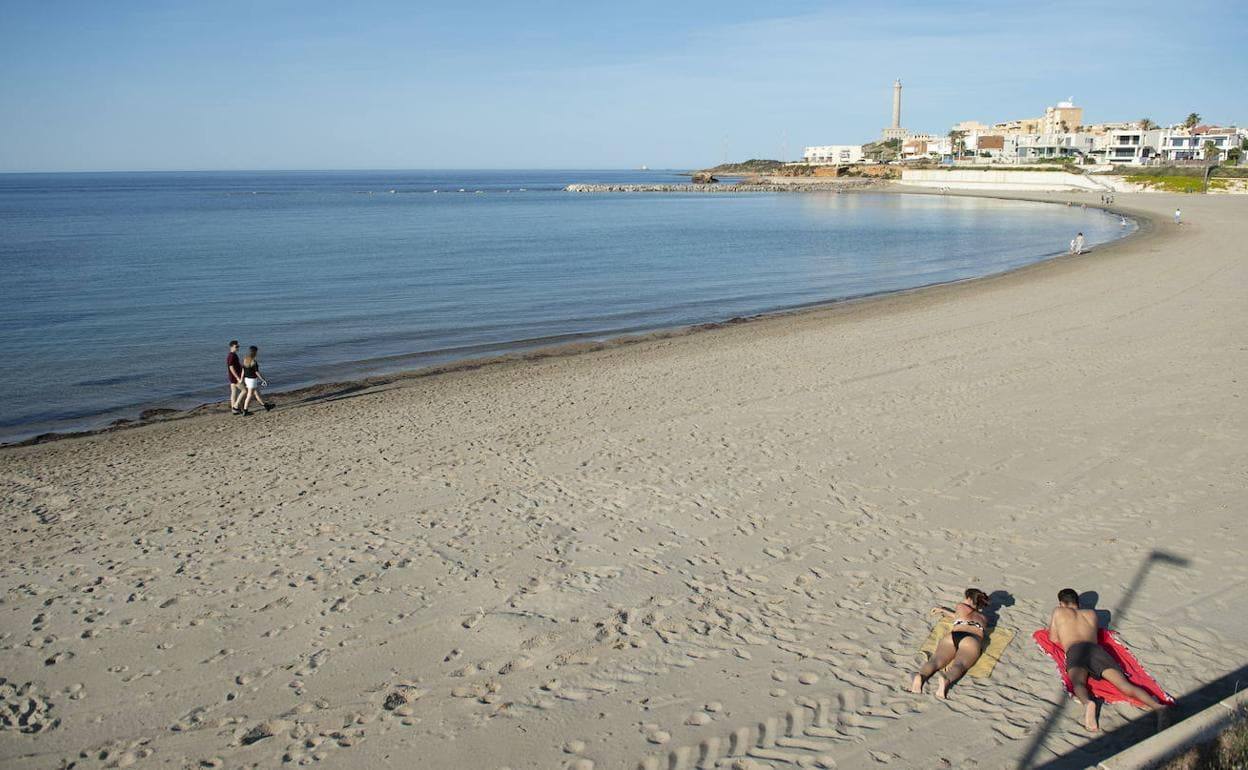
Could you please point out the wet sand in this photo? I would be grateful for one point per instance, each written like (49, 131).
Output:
(688, 546)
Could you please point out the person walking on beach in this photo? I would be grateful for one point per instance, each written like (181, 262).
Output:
(960, 648)
(234, 371)
(253, 380)
(1079, 243)
(1076, 631)
(1178, 215)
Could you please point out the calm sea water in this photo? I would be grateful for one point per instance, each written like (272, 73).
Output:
(120, 291)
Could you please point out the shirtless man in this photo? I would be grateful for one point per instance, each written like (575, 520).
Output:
(1075, 630)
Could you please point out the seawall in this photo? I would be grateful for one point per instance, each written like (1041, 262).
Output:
(826, 186)
(1034, 181)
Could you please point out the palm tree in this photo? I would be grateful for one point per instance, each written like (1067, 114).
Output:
(1192, 121)
(956, 145)
(1147, 124)
(1212, 153)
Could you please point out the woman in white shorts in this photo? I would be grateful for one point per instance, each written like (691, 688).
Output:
(253, 380)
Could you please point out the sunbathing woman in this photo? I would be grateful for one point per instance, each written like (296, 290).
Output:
(961, 647)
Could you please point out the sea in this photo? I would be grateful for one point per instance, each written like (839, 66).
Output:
(120, 291)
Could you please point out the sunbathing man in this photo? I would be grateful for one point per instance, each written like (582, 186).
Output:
(960, 648)
(1075, 630)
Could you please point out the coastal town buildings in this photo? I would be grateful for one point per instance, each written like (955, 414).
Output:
(1059, 134)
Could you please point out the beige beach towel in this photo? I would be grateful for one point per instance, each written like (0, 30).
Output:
(998, 639)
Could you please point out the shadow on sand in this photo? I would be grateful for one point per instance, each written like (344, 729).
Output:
(1137, 729)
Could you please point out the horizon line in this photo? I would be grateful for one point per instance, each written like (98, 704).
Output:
(335, 169)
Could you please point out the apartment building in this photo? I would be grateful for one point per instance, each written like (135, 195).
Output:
(833, 154)
(1132, 146)
(1181, 144)
(1075, 145)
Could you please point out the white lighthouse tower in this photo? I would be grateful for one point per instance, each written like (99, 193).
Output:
(895, 131)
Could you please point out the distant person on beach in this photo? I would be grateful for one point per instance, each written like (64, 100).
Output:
(234, 371)
(1076, 631)
(1178, 215)
(960, 648)
(253, 380)
(1079, 243)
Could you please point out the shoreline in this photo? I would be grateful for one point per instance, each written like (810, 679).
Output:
(522, 352)
(653, 553)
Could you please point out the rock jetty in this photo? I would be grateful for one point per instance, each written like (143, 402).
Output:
(724, 188)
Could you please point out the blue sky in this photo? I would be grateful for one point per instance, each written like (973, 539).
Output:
(273, 84)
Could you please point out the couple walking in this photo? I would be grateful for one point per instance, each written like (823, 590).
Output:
(1070, 626)
(245, 379)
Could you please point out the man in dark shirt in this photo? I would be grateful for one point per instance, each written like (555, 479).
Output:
(234, 368)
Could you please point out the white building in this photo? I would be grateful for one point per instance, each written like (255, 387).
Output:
(1069, 144)
(1132, 147)
(833, 154)
(1179, 143)
(925, 146)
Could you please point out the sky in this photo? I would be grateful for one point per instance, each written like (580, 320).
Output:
(286, 84)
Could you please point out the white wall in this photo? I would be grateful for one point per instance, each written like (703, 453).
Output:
(1039, 181)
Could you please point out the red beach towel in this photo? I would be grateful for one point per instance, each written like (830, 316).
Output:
(1099, 687)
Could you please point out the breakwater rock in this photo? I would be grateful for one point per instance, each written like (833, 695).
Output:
(725, 188)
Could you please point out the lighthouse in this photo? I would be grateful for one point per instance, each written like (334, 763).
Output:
(895, 131)
(897, 103)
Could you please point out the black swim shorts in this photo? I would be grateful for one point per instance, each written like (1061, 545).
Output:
(1091, 657)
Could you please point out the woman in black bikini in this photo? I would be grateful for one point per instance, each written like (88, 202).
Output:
(253, 379)
(961, 647)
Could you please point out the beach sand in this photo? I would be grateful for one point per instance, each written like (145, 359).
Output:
(637, 557)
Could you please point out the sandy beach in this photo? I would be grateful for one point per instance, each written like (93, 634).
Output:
(716, 549)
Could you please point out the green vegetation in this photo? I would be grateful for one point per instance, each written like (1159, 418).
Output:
(887, 150)
(1068, 163)
(751, 166)
(957, 140)
(1229, 751)
(1146, 124)
(1169, 182)
(1221, 172)
(1191, 121)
